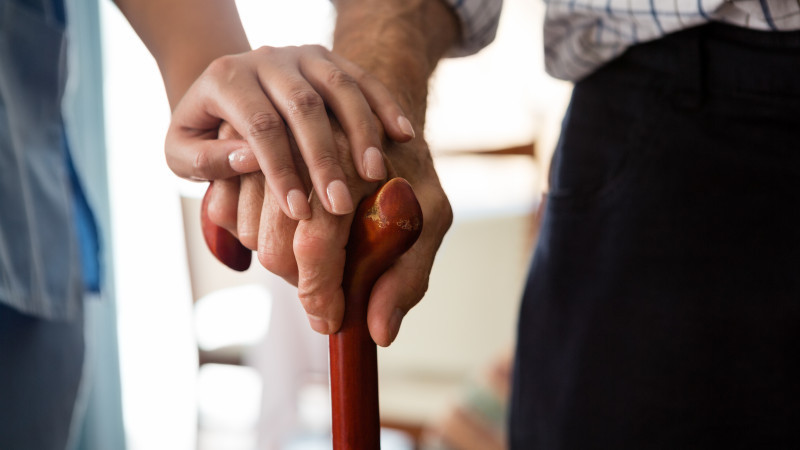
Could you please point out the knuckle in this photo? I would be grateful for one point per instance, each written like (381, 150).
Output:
(364, 78)
(304, 102)
(222, 66)
(313, 49)
(319, 250)
(325, 161)
(366, 126)
(265, 50)
(317, 48)
(281, 170)
(309, 246)
(340, 79)
(313, 303)
(263, 124)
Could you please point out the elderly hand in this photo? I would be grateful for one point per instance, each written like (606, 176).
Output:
(274, 96)
(311, 253)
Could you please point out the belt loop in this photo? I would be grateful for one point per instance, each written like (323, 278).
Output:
(691, 73)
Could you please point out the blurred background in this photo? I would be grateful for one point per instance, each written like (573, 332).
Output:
(213, 359)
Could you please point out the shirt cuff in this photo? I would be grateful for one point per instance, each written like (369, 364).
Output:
(479, 20)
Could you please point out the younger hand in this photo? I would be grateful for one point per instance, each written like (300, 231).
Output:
(272, 96)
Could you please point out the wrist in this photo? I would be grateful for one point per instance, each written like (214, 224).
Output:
(399, 42)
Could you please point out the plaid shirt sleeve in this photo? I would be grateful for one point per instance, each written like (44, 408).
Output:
(479, 19)
(582, 35)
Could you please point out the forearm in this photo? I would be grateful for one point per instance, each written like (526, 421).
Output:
(184, 36)
(399, 42)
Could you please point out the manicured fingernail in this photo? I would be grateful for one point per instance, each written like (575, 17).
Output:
(339, 196)
(318, 324)
(243, 160)
(298, 204)
(373, 164)
(405, 125)
(394, 323)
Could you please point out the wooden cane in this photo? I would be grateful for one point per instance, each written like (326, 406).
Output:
(386, 224)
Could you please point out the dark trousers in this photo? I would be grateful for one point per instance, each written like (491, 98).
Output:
(662, 309)
(41, 363)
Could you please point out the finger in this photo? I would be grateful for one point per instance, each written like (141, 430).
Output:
(394, 120)
(197, 154)
(251, 198)
(343, 95)
(235, 95)
(305, 114)
(397, 291)
(242, 160)
(222, 204)
(226, 131)
(276, 236)
(402, 286)
(319, 246)
(275, 240)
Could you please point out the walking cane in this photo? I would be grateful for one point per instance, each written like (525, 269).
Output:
(385, 226)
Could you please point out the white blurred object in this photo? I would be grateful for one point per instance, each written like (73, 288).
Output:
(485, 187)
(235, 316)
(228, 396)
(228, 406)
(290, 358)
(314, 405)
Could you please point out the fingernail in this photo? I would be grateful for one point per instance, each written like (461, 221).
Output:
(298, 204)
(243, 160)
(394, 323)
(373, 164)
(318, 324)
(405, 125)
(339, 196)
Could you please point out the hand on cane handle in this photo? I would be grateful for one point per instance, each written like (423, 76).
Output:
(386, 225)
